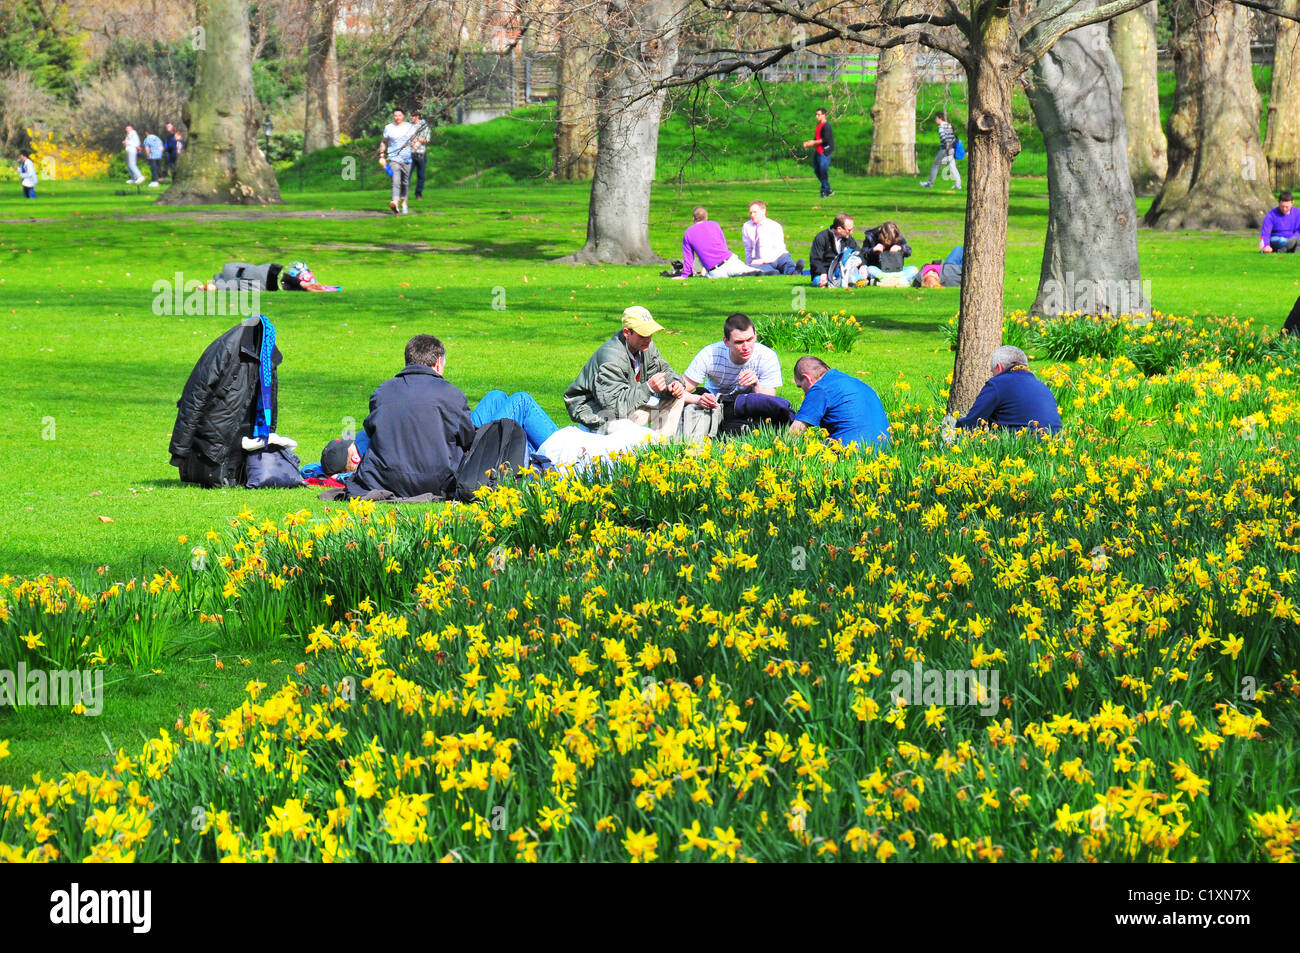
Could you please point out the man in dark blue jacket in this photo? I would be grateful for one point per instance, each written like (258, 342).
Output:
(1013, 398)
(419, 427)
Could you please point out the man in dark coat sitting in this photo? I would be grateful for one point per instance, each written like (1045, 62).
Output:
(1013, 398)
(419, 427)
(826, 248)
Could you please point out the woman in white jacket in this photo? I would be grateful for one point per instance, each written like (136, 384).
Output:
(27, 175)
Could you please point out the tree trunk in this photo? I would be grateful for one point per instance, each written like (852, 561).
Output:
(640, 49)
(1133, 42)
(221, 164)
(893, 115)
(1228, 187)
(322, 129)
(993, 147)
(1282, 147)
(575, 104)
(1090, 260)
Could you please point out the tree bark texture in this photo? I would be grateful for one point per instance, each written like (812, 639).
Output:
(221, 164)
(993, 147)
(893, 114)
(640, 49)
(1226, 186)
(322, 127)
(1282, 145)
(575, 104)
(1090, 260)
(1133, 42)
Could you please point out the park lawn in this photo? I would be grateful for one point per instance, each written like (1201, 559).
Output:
(93, 373)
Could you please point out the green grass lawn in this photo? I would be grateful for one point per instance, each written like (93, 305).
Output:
(93, 374)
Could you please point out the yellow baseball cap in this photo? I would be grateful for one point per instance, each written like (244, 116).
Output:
(637, 318)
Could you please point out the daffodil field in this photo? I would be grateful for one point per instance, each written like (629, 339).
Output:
(723, 653)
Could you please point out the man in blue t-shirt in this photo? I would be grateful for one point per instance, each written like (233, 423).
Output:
(848, 409)
(1013, 398)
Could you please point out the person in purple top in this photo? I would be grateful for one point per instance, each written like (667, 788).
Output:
(704, 239)
(1281, 230)
(1013, 398)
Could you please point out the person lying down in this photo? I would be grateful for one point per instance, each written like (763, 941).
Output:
(238, 275)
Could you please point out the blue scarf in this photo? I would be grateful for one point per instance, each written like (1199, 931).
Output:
(262, 427)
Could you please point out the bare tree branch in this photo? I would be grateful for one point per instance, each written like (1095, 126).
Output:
(1053, 30)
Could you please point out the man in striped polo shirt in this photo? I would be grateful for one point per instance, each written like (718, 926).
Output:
(729, 368)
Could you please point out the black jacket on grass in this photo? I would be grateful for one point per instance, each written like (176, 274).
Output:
(218, 407)
(419, 428)
(822, 255)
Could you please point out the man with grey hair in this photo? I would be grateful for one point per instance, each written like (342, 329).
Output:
(1013, 398)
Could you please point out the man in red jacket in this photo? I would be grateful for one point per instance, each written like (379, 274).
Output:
(823, 141)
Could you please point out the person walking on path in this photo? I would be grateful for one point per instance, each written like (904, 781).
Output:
(153, 150)
(419, 155)
(131, 144)
(947, 153)
(395, 154)
(823, 141)
(27, 175)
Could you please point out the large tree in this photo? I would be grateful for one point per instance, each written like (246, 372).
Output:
(638, 55)
(1218, 176)
(1282, 146)
(1133, 40)
(322, 94)
(221, 164)
(893, 113)
(575, 101)
(1090, 259)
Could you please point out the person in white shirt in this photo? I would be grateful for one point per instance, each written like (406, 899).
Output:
(395, 155)
(765, 244)
(729, 368)
(132, 146)
(27, 175)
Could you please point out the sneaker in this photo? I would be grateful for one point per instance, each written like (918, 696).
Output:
(393, 206)
(153, 185)
(829, 194)
(137, 181)
(405, 209)
(798, 267)
(926, 185)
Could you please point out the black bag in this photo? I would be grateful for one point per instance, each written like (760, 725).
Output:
(499, 447)
(891, 261)
(273, 468)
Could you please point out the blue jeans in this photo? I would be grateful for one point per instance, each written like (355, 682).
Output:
(521, 408)
(29, 191)
(419, 161)
(782, 266)
(1278, 243)
(822, 166)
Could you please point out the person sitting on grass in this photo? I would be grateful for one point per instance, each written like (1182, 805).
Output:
(1013, 398)
(848, 409)
(736, 367)
(764, 241)
(1281, 229)
(341, 457)
(703, 239)
(884, 250)
(628, 383)
(239, 274)
(826, 248)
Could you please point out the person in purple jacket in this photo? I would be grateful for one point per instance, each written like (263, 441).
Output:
(1013, 398)
(1281, 230)
(704, 239)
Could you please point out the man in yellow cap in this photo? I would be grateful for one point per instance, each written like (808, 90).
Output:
(627, 380)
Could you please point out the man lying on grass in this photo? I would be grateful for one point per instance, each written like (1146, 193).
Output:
(271, 277)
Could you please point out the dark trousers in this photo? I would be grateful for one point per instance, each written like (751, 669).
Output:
(822, 166)
(154, 165)
(418, 162)
(171, 164)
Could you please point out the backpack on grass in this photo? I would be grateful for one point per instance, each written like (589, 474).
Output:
(499, 447)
